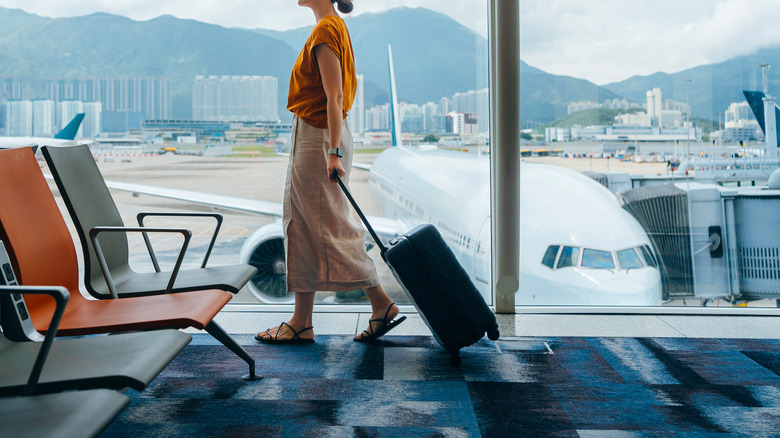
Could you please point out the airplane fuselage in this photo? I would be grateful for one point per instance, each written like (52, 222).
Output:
(602, 251)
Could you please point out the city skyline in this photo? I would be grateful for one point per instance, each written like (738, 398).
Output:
(603, 42)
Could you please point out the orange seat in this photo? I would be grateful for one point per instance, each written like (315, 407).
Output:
(43, 253)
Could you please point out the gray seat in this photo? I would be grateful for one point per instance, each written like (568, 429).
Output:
(90, 205)
(69, 414)
(114, 362)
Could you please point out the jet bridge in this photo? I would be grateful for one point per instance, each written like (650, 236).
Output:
(713, 242)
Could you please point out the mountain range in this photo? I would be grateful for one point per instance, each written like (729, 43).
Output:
(434, 57)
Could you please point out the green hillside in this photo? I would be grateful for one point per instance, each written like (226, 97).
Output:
(712, 87)
(434, 56)
(103, 44)
(592, 116)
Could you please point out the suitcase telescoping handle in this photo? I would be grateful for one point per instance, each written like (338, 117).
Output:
(335, 175)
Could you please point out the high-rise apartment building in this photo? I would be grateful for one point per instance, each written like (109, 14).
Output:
(43, 120)
(10, 89)
(378, 118)
(654, 106)
(476, 102)
(430, 111)
(235, 98)
(19, 118)
(93, 118)
(356, 117)
(66, 111)
(740, 125)
(148, 95)
(445, 105)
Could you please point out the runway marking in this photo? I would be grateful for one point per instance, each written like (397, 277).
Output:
(548, 348)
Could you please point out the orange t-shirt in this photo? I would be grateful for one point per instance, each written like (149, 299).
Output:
(306, 98)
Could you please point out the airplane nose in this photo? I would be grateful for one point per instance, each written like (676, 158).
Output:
(624, 292)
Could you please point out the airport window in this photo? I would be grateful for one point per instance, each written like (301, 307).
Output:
(223, 142)
(550, 255)
(569, 256)
(629, 259)
(664, 152)
(593, 258)
(604, 135)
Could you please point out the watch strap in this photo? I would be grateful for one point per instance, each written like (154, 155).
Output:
(336, 151)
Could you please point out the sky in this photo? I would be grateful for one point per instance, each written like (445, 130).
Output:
(599, 40)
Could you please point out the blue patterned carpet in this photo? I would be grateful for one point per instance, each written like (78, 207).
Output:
(404, 386)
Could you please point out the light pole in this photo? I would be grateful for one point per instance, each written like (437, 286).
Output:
(765, 70)
(770, 123)
(688, 119)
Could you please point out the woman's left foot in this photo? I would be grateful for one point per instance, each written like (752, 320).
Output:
(378, 327)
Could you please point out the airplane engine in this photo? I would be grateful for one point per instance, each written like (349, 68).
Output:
(264, 249)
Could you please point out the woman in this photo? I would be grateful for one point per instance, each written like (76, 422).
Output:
(324, 240)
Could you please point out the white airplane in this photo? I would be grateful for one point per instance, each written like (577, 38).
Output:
(579, 247)
(66, 137)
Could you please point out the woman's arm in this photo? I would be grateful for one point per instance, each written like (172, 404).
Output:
(330, 70)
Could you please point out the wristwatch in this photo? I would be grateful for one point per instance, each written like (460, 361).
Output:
(336, 151)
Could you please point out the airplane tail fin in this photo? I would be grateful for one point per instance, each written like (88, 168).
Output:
(395, 120)
(755, 100)
(69, 132)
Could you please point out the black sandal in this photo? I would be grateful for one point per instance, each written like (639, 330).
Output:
(382, 330)
(296, 339)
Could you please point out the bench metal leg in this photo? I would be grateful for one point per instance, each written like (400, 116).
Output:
(219, 334)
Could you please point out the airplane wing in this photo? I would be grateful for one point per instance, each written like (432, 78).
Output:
(214, 200)
(387, 228)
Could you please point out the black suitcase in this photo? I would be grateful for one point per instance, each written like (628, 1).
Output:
(437, 285)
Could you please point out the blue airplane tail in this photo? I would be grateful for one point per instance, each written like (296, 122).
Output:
(755, 100)
(69, 132)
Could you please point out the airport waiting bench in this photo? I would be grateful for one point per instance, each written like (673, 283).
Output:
(86, 367)
(107, 270)
(42, 250)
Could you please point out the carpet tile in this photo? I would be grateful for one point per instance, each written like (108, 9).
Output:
(404, 386)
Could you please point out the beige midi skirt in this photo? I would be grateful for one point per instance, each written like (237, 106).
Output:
(323, 237)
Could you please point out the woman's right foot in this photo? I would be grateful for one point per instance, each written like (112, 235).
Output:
(285, 333)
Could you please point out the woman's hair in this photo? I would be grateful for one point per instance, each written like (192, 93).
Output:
(345, 6)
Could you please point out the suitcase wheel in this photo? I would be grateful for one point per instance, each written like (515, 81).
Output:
(493, 334)
(455, 358)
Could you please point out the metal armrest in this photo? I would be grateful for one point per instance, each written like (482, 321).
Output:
(216, 216)
(93, 235)
(61, 296)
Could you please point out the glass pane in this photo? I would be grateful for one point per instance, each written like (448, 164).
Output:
(550, 255)
(592, 258)
(629, 259)
(658, 149)
(196, 132)
(569, 256)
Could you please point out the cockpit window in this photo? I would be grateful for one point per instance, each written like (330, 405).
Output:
(629, 259)
(594, 258)
(647, 253)
(569, 255)
(549, 256)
